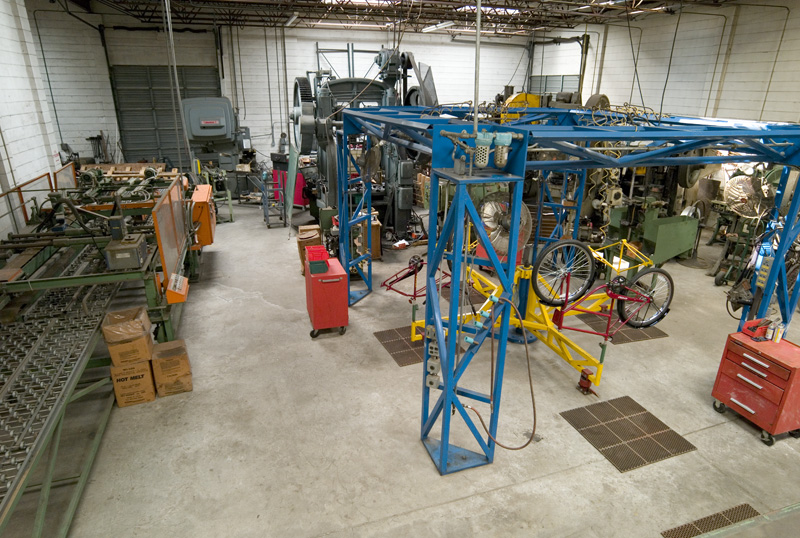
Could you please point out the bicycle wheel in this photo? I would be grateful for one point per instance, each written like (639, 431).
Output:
(552, 266)
(656, 286)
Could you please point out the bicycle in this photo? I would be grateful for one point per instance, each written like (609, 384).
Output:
(565, 271)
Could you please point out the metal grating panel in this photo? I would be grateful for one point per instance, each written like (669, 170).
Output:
(39, 356)
(626, 334)
(626, 433)
(145, 108)
(712, 522)
(399, 345)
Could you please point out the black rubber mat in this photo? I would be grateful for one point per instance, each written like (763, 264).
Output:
(626, 433)
(399, 345)
(626, 334)
(713, 522)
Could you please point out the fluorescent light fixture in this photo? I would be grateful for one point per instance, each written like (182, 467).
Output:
(636, 12)
(584, 7)
(365, 2)
(440, 26)
(353, 26)
(292, 19)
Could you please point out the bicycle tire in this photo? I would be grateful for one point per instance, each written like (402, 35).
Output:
(552, 266)
(655, 283)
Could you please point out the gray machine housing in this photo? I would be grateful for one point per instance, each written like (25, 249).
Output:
(215, 136)
(315, 115)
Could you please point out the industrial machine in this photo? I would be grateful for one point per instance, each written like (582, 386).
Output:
(93, 235)
(317, 110)
(464, 155)
(214, 133)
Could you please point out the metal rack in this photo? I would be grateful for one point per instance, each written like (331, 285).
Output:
(43, 357)
(572, 135)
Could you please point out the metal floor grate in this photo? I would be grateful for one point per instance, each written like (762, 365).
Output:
(399, 345)
(713, 522)
(626, 433)
(626, 334)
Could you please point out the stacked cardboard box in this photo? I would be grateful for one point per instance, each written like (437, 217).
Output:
(135, 358)
(422, 191)
(307, 236)
(376, 237)
(130, 344)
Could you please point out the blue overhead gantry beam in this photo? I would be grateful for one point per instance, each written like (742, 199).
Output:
(578, 134)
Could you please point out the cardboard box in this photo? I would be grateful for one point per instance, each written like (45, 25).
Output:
(133, 384)
(127, 333)
(133, 351)
(125, 325)
(171, 368)
(376, 238)
(306, 237)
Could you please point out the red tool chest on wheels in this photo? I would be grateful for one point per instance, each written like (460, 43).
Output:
(761, 382)
(326, 298)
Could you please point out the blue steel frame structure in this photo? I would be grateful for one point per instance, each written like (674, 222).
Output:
(352, 213)
(574, 133)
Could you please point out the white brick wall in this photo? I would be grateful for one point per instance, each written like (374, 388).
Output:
(84, 102)
(24, 113)
(696, 85)
(76, 64)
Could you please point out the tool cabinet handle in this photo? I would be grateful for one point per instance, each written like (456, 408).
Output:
(746, 356)
(743, 378)
(762, 374)
(330, 279)
(740, 404)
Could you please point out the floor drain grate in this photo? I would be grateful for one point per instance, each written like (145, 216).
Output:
(712, 522)
(626, 433)
(626, 334)
(399, 345)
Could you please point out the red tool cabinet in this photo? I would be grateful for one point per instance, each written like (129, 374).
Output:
(761, 382)
(326, 298)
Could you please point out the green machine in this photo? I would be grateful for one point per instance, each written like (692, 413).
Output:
(662, 238)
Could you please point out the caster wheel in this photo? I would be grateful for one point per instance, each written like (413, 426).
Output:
(342, 330)
(719, 407)
(314, 333)
(767, 438)
(795, 433)
(720, 279)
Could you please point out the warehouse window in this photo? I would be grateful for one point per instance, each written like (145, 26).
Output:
(144, 103)
(552, 84)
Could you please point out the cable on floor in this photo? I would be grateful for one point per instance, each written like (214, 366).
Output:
(530, 381)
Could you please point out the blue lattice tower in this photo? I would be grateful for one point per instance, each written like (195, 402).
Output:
(353, 213)
(444, 364)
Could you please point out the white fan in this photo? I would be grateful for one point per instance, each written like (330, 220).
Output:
(749, 195)
(495, 212)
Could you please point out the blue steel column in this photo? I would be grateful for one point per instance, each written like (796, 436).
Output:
(505, 314)
(777, 273)
(765, 249)
(349, 216)
(430, 294)
(449, 366)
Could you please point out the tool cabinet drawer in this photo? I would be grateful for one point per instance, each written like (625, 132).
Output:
(750, 381)
(754, 364)
(751, 405)
(758, 360)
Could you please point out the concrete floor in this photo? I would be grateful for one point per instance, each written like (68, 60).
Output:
(288, 436)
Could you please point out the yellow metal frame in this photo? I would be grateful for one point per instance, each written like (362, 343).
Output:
(538, 320)
(625, 249)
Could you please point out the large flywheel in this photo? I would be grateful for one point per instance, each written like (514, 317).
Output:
(303, 116)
